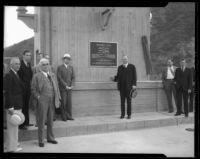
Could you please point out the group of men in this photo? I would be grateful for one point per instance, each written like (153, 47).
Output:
(45, 91)
(179, 82)
(41, 88)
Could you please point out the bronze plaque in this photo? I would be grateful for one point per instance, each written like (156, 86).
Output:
(103, 54)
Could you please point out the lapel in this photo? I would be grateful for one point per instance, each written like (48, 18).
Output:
(65, 67)
(45, 78)
(16, 79)
(14, 75)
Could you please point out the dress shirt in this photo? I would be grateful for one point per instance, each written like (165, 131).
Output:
(125, 65)
(45, 73)
(65, 65)
(169, 73)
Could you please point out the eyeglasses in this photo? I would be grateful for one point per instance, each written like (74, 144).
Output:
(45, 64)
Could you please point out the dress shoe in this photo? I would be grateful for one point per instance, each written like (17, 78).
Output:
(70, 118)
(18, 149)
(177, 114)
(52, 141)
(41, 144)
(29, 125)
(121, 117)
(64, 119)
(129, 117)
(186, 115)
(170, 111)
(22, 127)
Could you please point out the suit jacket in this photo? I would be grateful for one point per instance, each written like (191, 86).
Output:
(126, 77)
(66, 77)
(38, 86)
(25, 74)
(164, 73)
(13, 88)
(183, 79)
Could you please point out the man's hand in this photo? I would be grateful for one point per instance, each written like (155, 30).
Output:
(112, 78)
(11, 111)
(134, 87)
(68, 87)
(189, 91)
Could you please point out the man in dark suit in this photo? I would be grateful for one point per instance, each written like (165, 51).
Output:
(127, 79)
(183, 80)
(45, 90)
(25, 74)
(192, 94)
(66, 78)
(168, 83)
(13, 88)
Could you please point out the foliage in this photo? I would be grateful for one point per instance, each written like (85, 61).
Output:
(172, 33)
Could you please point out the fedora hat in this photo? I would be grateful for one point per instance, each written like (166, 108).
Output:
(67, 56)
(133, 93)
(17, 118)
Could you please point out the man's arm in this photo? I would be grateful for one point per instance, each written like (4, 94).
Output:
(190, 79)
(134, 76)
(34, 87)
(60, 80)
(116, 78)
(8, 92)
(73, 77)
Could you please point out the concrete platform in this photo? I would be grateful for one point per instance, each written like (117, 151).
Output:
(172, 141)
(105, 124)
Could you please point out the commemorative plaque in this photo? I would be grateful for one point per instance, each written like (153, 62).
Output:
(103, 54)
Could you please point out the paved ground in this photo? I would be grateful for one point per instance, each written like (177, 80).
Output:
(173, 141)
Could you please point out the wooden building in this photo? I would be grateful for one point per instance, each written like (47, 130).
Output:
(79, 31)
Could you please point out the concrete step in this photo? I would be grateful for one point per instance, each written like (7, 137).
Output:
(105, 124)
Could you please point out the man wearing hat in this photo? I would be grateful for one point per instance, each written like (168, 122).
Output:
(14, 88)
(66, 78)
(45, 90)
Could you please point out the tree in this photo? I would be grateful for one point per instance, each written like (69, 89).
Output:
(172, 33)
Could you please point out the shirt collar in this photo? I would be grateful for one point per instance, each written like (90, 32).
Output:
(65, 65)
(26, 63)
(126, 65)
(45, 73)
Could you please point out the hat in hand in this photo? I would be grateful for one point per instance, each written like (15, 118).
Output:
(17, 118)
(133, 93)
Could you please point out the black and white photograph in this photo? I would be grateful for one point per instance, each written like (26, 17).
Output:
(99, 80)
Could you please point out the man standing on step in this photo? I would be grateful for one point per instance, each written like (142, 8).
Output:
(192, 94)
(66, 78)
(127, 80)
(183, 81)
(14, 88)
(168, 84)
(45, 89)
(26, 74)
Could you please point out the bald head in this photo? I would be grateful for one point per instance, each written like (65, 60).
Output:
(125, 59)
(15, 64)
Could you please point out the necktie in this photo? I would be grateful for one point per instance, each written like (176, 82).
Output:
(49, 77)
